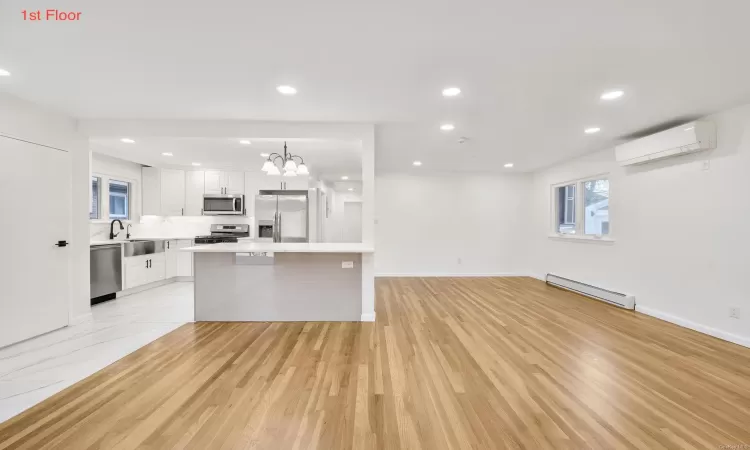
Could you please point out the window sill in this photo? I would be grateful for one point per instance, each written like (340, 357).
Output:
(583, 239)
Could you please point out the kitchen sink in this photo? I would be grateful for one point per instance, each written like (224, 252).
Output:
(137, 247)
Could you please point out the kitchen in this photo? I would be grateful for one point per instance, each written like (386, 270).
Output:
(148, 220)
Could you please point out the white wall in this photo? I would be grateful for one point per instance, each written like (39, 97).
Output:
(28, 121)
(680, 232)
(426, 224)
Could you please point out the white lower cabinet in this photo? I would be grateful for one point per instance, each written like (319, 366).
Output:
(144, 269)
(179, 264)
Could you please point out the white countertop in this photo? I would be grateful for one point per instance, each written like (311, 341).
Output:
(249, 247)
(139, 238)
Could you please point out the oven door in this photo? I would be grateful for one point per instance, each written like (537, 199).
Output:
(223, 205)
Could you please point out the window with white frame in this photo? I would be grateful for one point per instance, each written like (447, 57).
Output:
(581, 207)
(119, 200)
(96, 183)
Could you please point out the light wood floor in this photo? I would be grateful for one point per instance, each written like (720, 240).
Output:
(450, 363)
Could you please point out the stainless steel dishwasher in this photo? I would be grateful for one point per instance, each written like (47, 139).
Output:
(106, 272)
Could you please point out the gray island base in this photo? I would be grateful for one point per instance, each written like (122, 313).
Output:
(258, 285)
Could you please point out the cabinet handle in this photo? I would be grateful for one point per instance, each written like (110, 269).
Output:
(182, 211)
(167, 245)
(147, 264)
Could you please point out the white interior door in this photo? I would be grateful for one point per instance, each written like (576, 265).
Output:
(352, 222)
(35, 204)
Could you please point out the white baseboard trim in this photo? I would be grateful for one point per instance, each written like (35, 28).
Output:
(80, 319)
(368, 317)
(734, 338)
(183, 278)
(448, 275)
(145, 287)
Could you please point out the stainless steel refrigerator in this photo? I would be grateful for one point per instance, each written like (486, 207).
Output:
(286, 212)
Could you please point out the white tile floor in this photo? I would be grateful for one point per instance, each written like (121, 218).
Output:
(34, 370)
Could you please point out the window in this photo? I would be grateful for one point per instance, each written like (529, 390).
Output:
(95, 195)
(119, 200)
(582, 207)
(596, 205)
(566, 209)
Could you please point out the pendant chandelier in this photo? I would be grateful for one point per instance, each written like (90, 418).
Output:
(286, 163)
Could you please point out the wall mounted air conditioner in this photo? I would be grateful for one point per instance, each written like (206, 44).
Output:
(689, 138)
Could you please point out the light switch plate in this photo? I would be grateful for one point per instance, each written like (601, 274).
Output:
(347, 264)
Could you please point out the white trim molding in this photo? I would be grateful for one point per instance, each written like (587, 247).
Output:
(734, 338)
(448, 275)
(368, 317)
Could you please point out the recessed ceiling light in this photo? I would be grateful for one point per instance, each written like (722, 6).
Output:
(286, 90)
(351, 189)
(196, 164)
(4, 73)
(127, 141)
(508, 166)
(592, 130)
(344, 177)
(451, 91)
(264, 155)
(417, 163)
(245, 142)
(689, 128)
(166, 154)
(447, 127)
(612, 95)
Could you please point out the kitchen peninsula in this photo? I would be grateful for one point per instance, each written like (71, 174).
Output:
(265, 282)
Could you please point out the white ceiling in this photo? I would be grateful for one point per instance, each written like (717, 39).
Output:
(531, 72)
(325, 158)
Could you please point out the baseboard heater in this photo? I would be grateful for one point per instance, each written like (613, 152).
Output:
(611, 297)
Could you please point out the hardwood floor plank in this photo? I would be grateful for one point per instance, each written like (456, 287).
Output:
(451, 363)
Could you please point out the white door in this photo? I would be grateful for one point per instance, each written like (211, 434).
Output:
(136, 271)
(172, 192)
(234, 182)
(352, 222)
(35, 194)
(157, 267)
(213, 182)
(194, 189)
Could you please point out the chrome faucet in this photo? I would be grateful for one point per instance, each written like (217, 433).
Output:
(112, 233)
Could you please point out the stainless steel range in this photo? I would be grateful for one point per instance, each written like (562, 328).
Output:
(224, 233)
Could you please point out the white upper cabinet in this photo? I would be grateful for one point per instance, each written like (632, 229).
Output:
(218, 182)
(298, 183)
(163, 192)
(172, 192)
(194, 190)
(151, 191)
(234, 182)
(213, 182)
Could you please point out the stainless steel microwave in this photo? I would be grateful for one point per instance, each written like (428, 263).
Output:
(223, 205)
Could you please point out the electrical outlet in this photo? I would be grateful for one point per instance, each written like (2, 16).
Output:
(706, 164)
(347, 264)
(459, 261)
(734, 312)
